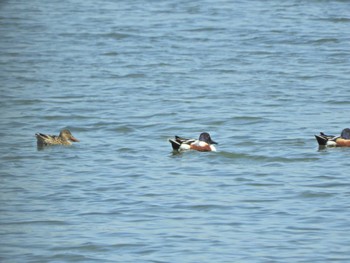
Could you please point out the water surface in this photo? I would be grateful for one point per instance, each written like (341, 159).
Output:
(261, 77)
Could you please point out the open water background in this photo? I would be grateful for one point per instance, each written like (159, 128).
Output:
(262, 77)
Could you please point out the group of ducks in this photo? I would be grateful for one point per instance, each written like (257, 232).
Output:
(203, 144)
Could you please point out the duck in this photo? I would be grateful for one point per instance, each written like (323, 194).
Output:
(203, 144)
(64, 138)
(343, 140)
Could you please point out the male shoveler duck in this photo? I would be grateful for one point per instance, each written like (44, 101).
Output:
(65, 138)
(330, 140)
(203, 144)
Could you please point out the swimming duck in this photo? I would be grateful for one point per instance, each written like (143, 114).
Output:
(343, 140)
(65, 138)
(203, 144)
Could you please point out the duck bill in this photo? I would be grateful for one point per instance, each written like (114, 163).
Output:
(73, 139)
(212, 142)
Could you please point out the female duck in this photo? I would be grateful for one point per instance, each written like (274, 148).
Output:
(65, 138)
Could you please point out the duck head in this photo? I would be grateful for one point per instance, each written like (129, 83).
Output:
(205, 137)
(67, 135)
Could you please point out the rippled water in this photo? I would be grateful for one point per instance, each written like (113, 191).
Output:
(262, 77)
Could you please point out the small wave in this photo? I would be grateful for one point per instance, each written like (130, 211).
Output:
(313, 194)
(112, 54)
(336, 19)
(201, 207)
(324, 41)
(206, 29)
(338, 102)
(266, 159)
(37, 222)
(117, 36)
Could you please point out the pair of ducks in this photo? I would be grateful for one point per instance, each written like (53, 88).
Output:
(203, 144)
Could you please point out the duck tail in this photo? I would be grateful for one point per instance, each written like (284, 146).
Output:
(175, 144)
(39, 135)
(321, 140)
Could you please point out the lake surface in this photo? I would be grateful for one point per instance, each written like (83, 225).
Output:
(262, 77)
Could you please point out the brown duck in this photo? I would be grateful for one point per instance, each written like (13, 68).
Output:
(65, 138)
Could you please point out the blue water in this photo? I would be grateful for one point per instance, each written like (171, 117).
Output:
(262, 77)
